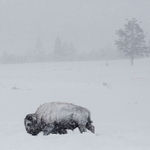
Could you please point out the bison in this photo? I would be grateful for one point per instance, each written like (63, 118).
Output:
(57, 117)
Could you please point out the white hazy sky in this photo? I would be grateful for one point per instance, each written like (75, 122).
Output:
(88, 24)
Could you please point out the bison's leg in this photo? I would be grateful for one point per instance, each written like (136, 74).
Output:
(48, 129)
(82, 128)
(90, 127)
(59, 128)
(62, 131)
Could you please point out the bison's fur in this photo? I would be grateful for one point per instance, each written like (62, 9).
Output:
(57, 117)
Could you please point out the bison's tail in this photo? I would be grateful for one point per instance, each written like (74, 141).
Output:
(89, 125)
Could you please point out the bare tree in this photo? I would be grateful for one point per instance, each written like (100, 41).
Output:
(131, 40)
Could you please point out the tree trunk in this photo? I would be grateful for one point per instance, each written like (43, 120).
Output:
(132, 59)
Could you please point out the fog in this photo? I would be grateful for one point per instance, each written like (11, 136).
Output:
(88, 24)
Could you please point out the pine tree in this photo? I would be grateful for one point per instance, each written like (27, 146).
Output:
(39, 51)
(58, 50)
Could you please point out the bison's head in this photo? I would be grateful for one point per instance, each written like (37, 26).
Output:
(31, 124)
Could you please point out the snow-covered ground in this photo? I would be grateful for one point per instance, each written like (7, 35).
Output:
(118, 96)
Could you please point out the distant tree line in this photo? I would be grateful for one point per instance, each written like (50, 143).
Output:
(61, 52)
(131, 43)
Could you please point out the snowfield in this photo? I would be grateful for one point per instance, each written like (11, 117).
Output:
(118, 96)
